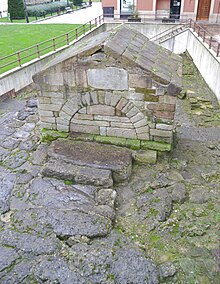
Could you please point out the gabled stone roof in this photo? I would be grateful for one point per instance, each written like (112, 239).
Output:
(132, 46)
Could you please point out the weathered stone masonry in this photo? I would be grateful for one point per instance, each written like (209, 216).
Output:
(119, 84)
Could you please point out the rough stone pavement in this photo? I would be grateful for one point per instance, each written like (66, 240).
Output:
(163, 226)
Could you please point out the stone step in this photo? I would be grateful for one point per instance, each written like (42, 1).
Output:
(81, 174)
(94, 160)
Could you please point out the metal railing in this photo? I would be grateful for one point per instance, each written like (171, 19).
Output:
(36, 51)
(201, 32)
(206, 37)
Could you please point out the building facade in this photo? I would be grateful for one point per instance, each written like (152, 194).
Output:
(3, 8)
(208, 10)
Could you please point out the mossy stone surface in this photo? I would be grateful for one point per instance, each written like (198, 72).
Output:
(153, 145)
(48, 135)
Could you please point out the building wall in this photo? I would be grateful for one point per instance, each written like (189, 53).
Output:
(3, 7)
(163, 5)
(155, 7)
(145, 5)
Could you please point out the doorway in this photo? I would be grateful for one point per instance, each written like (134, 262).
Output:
(175, 6)
(203, 10)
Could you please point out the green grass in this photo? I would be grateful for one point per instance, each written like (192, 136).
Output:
(15, 37)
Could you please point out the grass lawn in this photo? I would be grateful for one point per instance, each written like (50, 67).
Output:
(15, 37)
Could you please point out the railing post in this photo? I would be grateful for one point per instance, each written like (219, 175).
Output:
(210, 42)
(90, 25)
(99, 20)
(38, 51)
(19, 58)
(67, 39)
(95, 21)
(54, 44)
(204, 34)
(218, 50)
(84, 29)
(76, 33)
(199, 31)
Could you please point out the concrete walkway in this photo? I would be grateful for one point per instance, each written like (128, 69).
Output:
(78, 17)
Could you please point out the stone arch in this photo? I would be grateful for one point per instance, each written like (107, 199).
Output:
(106, 114)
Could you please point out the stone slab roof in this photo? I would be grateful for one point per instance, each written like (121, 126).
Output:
(126, 43)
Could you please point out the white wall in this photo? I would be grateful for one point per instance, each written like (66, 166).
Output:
(203, 57)
(4, 7)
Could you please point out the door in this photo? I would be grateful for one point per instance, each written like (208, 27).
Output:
(175, 6)
(203, 10)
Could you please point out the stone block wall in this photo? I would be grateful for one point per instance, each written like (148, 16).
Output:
(100, 95)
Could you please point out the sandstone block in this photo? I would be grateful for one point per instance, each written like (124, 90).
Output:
(90, 122)
(57, 101)
(44, 100)
(62, 121)
(164, 126)
(108, 96)
(166, 99)
(69, 78)
(122, 125)
(55, 79)
(161, 107)
(143, 136)
(146, 157)
(139, 81)
(114, 100)
(120, 119)
(82, 116)
(121, 104)
(50, 107)
(57, 95)
(81, 78)
(84, 128)
(103, 131)
(82, 110)
(164, 115)
(62, 127)
(64, 115)
(86, 99)
(101, 110)
(161, 133)
(132, 112)
(132, 95)
(168, 140)
(48, 119)
(110, 78)
(140, 123)
(119, 132)
(127, 108)
(142, 129)
(137, 117)
(45, 113)
(94, 98)
(48, 125)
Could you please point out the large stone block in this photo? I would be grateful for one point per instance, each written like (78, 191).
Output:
(81, 78)
(50, 107)
(119, 132)
(137, 117)
(161, 133)
(48, 119)
(122, 125)
(84, 128)
(110, 78)
(69, 79)
(139, 81)
(90, 122)
(146, 157)
(101, 110)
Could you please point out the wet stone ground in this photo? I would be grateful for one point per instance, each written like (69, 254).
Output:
(160, 226)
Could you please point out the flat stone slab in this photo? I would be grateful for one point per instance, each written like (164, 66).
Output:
(80, 174)
(97, 156)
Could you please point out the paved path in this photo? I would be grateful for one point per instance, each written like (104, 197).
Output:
(78, 17)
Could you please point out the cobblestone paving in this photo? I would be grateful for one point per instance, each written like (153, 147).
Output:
(162, 228)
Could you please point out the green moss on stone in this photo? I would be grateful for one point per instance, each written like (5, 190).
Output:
(82, 136)
(153, 145)
(145, 91)
(133, 144)
(111, 140)
(48, 135)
